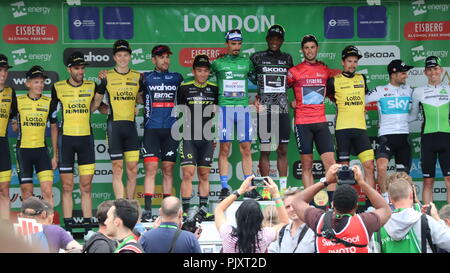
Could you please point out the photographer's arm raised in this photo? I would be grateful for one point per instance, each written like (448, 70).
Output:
(281, 210)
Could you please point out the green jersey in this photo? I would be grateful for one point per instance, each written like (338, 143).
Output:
(232, 74)
(435, 104)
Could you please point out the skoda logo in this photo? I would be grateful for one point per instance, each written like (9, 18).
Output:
(77, 23)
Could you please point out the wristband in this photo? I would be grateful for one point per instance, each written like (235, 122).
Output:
(278, 205)
(276, 199)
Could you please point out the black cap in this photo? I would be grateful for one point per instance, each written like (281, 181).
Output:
(76, 58)
(432, 61)
(160, 50)
(33, 206)
(4, 61)
(276, 30)
(398, 66)
(121, 45)
(350, 51)
(35, 72)
(309, 38)
(200, 61)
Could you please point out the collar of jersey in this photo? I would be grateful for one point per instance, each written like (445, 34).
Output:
(348, 75)
(161, 72)
(435, 86)
(28, 95)
(123, 74)
(68, 82)
(200, 85)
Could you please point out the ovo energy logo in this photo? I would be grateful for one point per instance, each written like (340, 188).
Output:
(19, 9)
(20, 56)
(419, 7)
(137, 56)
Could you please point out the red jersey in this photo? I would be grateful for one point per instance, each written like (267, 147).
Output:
(309, 81)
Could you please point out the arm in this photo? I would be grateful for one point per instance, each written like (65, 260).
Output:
(372, 96)
(140, 94)
(330, 91)
(415, 105)
(13, 112)
(381, 207)
(366, 88)
(54, 127)
(99, 93)
(73, 245)
(281, 210)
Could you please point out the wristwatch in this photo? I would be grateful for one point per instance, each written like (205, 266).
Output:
(236, 193)
(324, 181)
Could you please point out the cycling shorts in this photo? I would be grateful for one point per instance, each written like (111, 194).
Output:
(37, 158)
(281, 131)
(159, 145)
(197, 153)
(239, 115)
(356, 139)
(318, 133)
(396, 145)
(434, 146)
(83, 147)
(5, 162)
(122, 140)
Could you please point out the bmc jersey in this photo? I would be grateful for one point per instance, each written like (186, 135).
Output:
(160, 98)
(122, 90)
(75, 106)
(354, 232)
(434, 102)
(309, 82)
(349, 92)
(32, 120)
(6, 99)
(232, 73)
(271, 69)
(394, 104)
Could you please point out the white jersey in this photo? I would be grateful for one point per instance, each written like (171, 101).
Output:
(394, 105)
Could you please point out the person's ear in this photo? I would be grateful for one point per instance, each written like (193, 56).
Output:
(154, 60)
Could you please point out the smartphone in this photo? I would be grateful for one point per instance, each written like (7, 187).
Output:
(259, 181)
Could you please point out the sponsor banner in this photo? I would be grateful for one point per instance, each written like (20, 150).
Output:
(416, 169)
(16, 200)
(416, 76)
(420, 53)
(17, 80)
(118, 23)
(378, 55)
(20, 9)
(338, 22)
(101, 150)
(156, 200)
(422, 7)
(21, 56)
(187, 55)
(419, 31)
(439, 190)
(372, 21)
(84, 23)
(96, 57)
(318, 169)
(30, 34)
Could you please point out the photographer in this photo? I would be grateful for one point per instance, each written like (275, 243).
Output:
(249, 236)
(167, 236)
(334, 229)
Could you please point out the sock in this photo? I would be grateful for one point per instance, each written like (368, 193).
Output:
(68, 221)
(148, 201)
(283, 183)
(86, 221)
(186, 204)
(246, 175)
(166, 195)
(224, 181)
(203, 201)
(330, 196)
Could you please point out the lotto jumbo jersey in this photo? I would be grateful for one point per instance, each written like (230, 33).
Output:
(75, 106)
(122, 90)
(6, 98)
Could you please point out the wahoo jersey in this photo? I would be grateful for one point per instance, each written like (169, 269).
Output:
(309, 81)
(394, 104)
(159, 98)
(122, 90)
(33, 115)
(348, 91)
(354, 232)
(232, 73)
(434, 101)
(6, 98)
(271, 68)
(75, 106)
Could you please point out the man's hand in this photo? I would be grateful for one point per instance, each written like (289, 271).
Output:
(293, 104)
(433, 210)
(102, 74)
(272, 187)
(330, 176)
(246, 186)
(14, 125)
(198, 232)
(157, 222)
(359, 178)
(54, 162)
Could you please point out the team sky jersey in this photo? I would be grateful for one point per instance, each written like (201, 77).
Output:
(394, 104)
(75, 104)
(197, 98)
(7, 96)
(122, 90)
(232, 73)
(271, 69)
(33, 115)
(348, 91)
(309, 81)
(160, 98)
(434, 102)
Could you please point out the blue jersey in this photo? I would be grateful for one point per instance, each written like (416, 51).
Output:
(160, 98)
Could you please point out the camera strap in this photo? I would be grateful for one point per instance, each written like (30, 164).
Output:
(328, 232)
(174, 240)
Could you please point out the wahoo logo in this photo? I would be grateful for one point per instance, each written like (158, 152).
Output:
(397, 105)
(419, 7)
(137, 56)
(20, 56)
(229, 75)
(164, 95)
(18, 9)
(162, 87)
(418, 53)
(274, 70)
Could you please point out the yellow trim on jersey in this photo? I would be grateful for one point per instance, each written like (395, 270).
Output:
(5, 109)
(131, 156)
(45, 176)
(76, 107)
(366, 156)
(122, 90)
(87, 169)
(5, 176)
(350, 102)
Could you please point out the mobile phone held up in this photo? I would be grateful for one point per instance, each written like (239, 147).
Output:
(259, 181)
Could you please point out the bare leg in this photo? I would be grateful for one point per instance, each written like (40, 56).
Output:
(167, 169)
(307, 177)
(67, 188)
(382, 164)
(86, 195)
(427, 195)
(4, 200)
(247, 163)
(118, 188)
(132, 168)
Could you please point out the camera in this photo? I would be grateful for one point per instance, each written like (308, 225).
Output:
(194, 219)
(345, 176)
(259, 181)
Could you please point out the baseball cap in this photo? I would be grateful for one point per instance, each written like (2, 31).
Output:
(309, 38)
(33, 206)
(160, 50)
(276, 30)
(4, 61)
(76, 58)
(35, 72)
(201, 60)
(398, 66)
(234, 35)
(432, 61)
(350, 51)
(121, 45)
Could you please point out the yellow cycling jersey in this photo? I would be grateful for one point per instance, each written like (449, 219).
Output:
(122, 91)
(6, 98)
(75, 106)
(32, 120)
(349, 94)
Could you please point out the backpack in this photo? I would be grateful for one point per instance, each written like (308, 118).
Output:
(89, 244)
(300, 237)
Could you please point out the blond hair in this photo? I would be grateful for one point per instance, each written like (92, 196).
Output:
(270, 216)
(399, 189)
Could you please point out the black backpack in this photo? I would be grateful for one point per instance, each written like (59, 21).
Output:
(89, 243)
(300, 237)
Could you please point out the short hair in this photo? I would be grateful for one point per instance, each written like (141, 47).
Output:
(399, 189)
(127, 212)
(270, 214)
(170, 209)
(102, 211)
(345, 199)
(444, 213)
(291, 192)
(48, 207)
(136, 203)
(398, 175)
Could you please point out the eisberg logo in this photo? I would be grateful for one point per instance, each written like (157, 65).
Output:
(96, 57)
